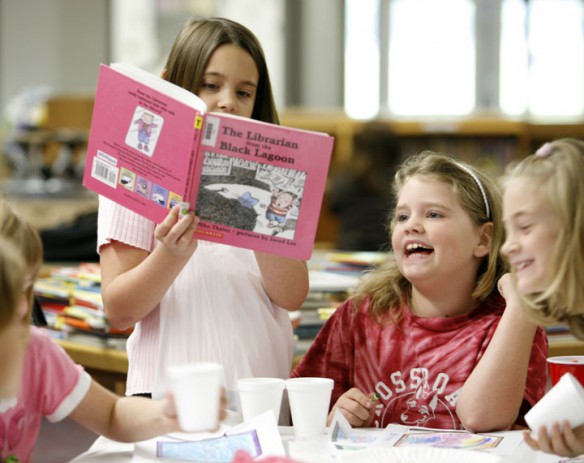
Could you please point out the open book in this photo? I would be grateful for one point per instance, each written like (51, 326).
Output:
(255, 185)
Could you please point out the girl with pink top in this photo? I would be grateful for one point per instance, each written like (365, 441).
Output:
(38, 379)
(544, 219)
(426, 339)
(192, 300)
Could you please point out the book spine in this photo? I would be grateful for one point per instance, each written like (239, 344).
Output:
(191, 184)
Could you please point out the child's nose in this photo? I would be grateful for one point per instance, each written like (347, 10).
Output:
(227, 102)
(508, 246)
(414, 225)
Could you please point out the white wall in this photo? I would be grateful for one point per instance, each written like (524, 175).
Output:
(321, 54)
(60, 43)
(55, 43)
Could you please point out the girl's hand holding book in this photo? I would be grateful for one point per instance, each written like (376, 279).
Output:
(176, 233)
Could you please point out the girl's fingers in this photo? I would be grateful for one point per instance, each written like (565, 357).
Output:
(174, 230)
(573, 445)
(166, 225)
(355, 406)
(529, 440)
(564, 441)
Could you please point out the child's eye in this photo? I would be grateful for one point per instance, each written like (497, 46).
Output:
(209, 86)
(244, 94)
(401, 217)
(525, 226)
(434, 215)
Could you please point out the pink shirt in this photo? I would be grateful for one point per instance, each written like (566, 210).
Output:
(52, 387)
(417, 367)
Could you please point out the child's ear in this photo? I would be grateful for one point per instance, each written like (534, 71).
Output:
(483, 247)
(163, 73)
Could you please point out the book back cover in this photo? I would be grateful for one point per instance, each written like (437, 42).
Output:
(141, 145)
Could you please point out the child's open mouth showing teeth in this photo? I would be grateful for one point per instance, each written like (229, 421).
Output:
(417, 248)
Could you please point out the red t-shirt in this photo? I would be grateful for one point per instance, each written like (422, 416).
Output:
(418, 366)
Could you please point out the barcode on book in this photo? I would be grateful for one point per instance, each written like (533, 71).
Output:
(105, 173)
(210, 131)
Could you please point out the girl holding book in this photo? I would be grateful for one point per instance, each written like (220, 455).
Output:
(192, 300)
(544, 219)
(426, 339)
(38, 379)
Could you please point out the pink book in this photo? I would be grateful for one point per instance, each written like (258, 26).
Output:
(254, 185)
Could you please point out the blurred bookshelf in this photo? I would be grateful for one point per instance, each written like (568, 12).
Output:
(488, 142)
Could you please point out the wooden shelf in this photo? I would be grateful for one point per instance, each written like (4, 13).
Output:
(487, 141)
(565, 345)
(107, 366)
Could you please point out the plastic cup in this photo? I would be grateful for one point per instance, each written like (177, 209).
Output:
(197, 394)
(258, 395)
(564, 401)
(573, 364)
(309, 404)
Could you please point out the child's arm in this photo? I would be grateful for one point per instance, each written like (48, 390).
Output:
(125, 419)
(285, 280)
(134, 281)
(492, 395)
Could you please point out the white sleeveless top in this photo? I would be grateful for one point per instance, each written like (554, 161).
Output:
(216, 310)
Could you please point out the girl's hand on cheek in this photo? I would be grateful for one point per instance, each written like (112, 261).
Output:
(177, 233)
(513, 303)
(508, 290)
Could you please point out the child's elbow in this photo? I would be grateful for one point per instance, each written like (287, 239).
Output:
(294, 303)
(117, 320)
(485, 422)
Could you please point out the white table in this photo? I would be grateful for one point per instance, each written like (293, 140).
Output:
(105, 450)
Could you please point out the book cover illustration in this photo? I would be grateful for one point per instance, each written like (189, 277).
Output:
(260, 185)
(250, 195)
(143, 133)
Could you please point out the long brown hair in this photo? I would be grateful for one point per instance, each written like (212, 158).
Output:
(196, 43)
(386, 287)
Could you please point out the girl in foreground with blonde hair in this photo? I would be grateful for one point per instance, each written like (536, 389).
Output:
(37, 377)
(544, 219)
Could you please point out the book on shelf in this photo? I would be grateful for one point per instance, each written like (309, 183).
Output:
(153, 145)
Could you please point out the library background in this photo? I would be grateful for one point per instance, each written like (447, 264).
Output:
(487, 81)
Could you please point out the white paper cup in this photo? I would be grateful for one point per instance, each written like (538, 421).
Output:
(309, 404)
(197, 394)
(564, 401)
(258, 395)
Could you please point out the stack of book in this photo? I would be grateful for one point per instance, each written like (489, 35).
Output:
(70, 298)
(331, 283)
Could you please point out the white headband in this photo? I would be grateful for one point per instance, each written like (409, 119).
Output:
(480, 185)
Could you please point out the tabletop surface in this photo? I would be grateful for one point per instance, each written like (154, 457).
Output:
(303, 450)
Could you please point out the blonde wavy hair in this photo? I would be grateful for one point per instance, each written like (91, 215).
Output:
(24, 237)
(12, 272)
(558, 171)
(385, 287)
